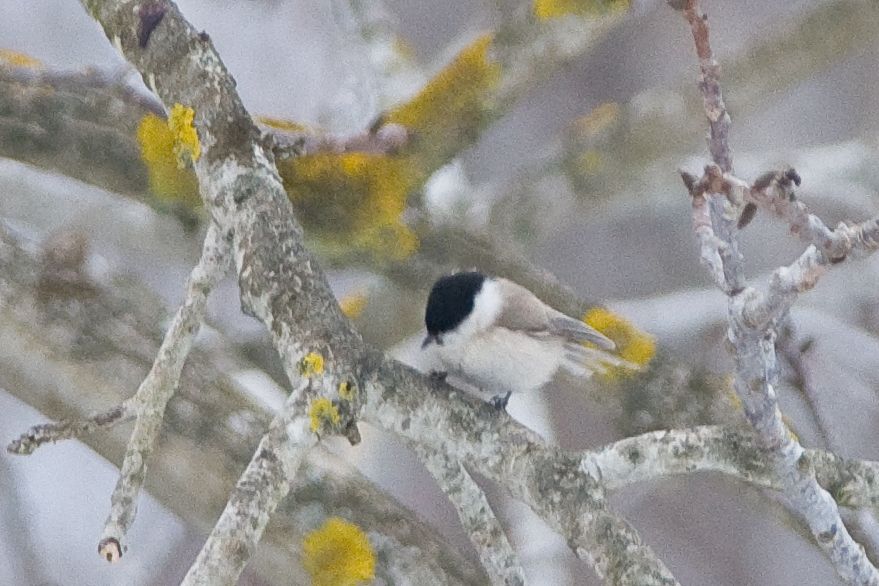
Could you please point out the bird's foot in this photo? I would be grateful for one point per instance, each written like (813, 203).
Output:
(499, 402)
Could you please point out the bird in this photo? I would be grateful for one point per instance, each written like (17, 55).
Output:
(500, 337)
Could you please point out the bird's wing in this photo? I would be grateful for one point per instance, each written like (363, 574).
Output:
(577, 331)
(523, 311)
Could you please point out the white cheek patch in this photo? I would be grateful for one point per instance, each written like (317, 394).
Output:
(486, 308)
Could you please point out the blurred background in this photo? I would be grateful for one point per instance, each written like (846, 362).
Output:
(570, 165)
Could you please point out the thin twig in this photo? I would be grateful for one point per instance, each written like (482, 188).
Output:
(70, 429)
(158, 387)
(774, 191)
(795, 354)
(721, 212)
(711, 245)
(709, 85)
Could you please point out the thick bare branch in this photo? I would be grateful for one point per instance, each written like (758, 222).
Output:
(477, 517)
(259, 491)
(547, 479)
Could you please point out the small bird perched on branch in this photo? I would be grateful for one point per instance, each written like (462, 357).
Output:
(500, 337)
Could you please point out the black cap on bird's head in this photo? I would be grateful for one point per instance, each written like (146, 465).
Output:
(449, 302)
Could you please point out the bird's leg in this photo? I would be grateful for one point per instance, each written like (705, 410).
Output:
(499, 402)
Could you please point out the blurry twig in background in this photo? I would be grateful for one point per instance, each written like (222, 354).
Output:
(82, 124)
(798, 354)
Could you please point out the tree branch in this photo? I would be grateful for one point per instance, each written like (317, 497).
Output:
(734, 452)
(752, 333)
(547, 479)
(477, 517)
(259, 491)
(158, 387)
(70, 429)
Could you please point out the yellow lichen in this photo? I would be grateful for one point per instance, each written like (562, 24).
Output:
(168, 181)
(353, 202)
(348, 188)
(354, 199)
(338, 554)
(353, 304)
(312, 364)
(347, 391)
(322, 412)
(15, 59)
(452, 108)
(632, 345)
(547, 9)
(187, 147)
(393, 241)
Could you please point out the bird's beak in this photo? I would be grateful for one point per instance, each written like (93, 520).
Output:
(431, 339)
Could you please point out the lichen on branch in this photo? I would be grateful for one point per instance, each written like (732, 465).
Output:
(338, 553)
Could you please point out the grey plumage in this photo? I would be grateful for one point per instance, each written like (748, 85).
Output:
(524, 312)
(577, 331)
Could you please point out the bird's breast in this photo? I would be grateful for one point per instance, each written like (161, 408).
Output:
(501, 360)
